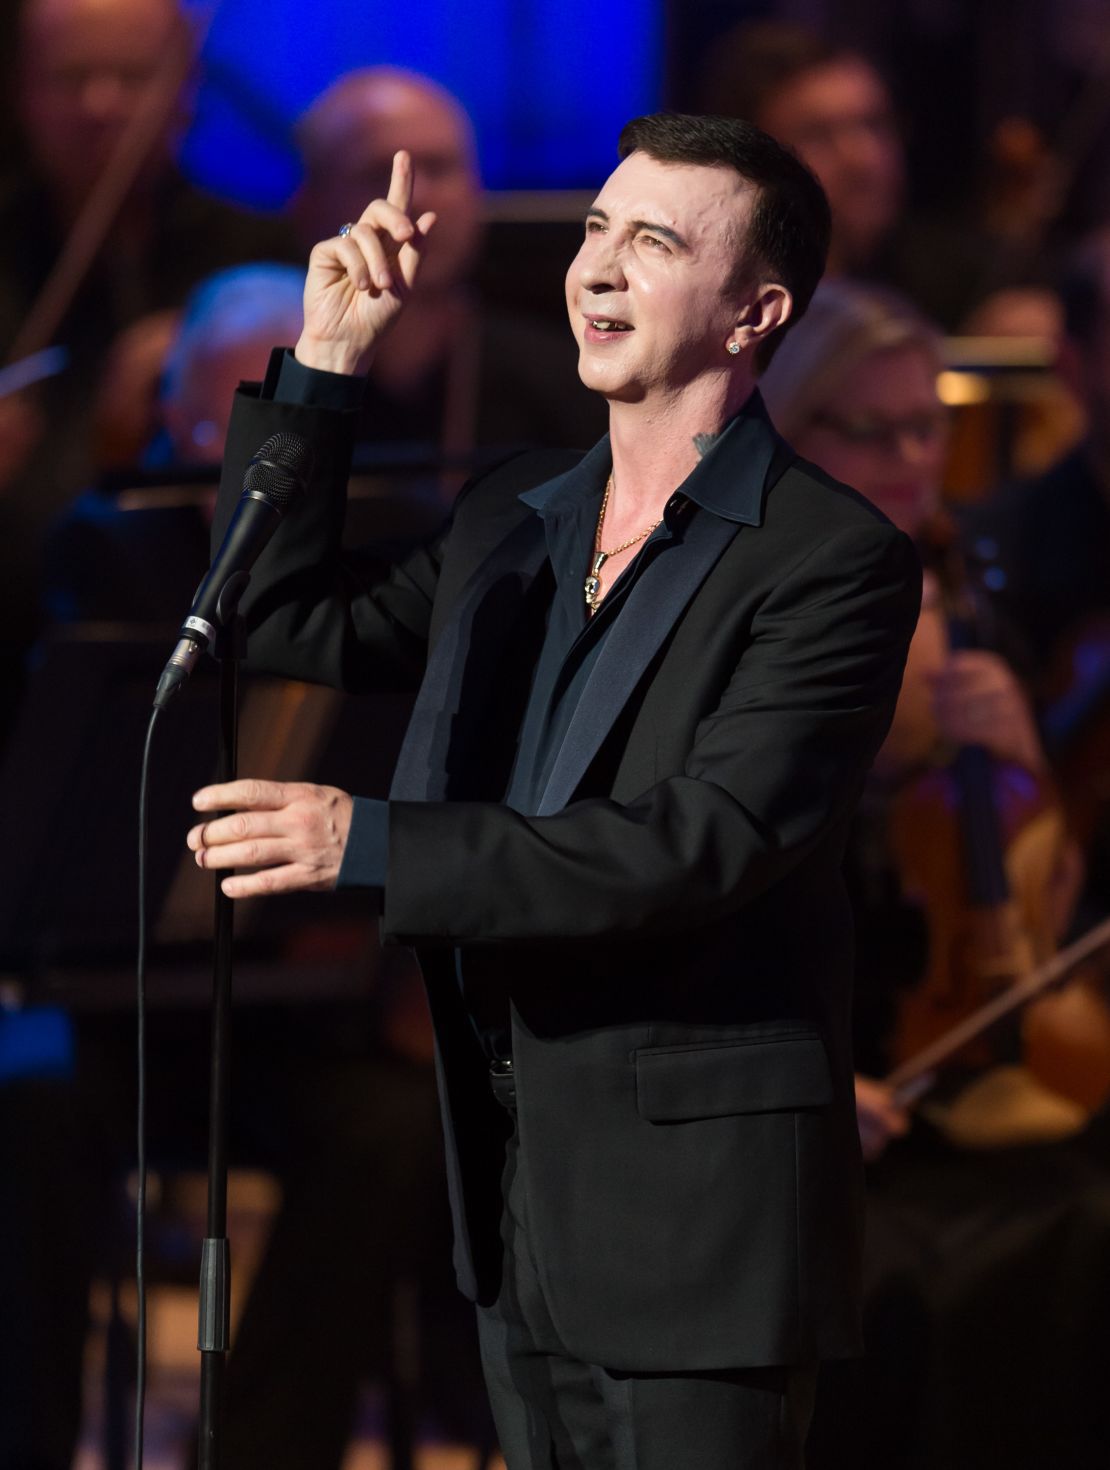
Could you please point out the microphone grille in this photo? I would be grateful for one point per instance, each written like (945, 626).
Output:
(279, 472)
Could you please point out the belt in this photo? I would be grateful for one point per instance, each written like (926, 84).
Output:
(502, 1079)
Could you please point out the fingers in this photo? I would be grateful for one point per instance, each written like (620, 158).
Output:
(236, 828)
(291, 878)
(409, 257)
(383, 243)
(976, 671)
(350, 255)
(385, 217)
(253, 795)
(961, 711)
(370, 263)
(293, 833)
(368, 253)
(973, 693)
(255, 852)
(271, 814)
(878, 1101)
(379, 254)
(400, 183)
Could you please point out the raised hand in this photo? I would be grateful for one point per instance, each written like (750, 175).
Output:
(358, 283)
(293, 833)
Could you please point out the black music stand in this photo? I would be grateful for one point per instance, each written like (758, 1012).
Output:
(67, 788)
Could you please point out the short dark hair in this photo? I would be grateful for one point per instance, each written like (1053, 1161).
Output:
(787, 238)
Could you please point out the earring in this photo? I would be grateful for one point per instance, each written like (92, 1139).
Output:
(734, 348)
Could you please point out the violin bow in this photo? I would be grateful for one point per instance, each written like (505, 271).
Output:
(916, 1075)
(105, 200)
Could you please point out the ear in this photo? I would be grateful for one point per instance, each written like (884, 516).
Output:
(768, 308)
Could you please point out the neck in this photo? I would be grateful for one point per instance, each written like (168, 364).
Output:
(653, 441)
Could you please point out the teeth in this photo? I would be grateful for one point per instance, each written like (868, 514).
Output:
(610, 326)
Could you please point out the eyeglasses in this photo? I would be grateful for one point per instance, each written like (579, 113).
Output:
(924, 429)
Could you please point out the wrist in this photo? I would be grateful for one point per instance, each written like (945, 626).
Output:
(328, 357)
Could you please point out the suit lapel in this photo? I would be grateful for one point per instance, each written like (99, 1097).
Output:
(654, 605)
(463, 661)
(729, 487)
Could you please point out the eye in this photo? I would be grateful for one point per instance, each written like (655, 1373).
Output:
(655, 242)
(594, 227)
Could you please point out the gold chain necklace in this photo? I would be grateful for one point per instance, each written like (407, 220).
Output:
(592, 587)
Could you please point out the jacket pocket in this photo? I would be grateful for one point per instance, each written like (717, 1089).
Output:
(717, 1079)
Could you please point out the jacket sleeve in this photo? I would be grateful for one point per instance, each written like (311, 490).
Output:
(313, 611)
(774, 768)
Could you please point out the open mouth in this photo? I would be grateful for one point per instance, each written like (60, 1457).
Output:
(605, 324)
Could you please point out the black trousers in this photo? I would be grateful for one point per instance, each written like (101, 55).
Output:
(555, 1412)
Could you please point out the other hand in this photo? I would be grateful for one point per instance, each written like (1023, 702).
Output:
(358, 283)
(292, 833)
(977, 700)
(879, 1117)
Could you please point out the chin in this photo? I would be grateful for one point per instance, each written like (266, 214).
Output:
(601, 377)
(593, 374)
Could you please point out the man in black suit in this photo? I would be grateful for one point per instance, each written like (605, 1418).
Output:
(651, 681)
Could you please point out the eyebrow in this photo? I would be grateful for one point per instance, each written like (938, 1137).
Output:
(643, 224)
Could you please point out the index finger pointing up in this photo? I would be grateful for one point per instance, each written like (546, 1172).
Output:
(400, 183)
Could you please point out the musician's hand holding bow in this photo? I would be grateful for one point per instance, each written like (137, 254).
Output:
(358, 281)
(292, 833)
(879, 1117)
(977, 699)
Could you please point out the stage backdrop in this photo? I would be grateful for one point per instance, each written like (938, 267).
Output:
(547, 82)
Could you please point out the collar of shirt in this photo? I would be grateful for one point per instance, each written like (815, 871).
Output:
(728, 481)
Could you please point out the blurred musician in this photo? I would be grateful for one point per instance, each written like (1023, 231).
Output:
(84, 73)
(833, 106)
(1051, 536)
(966, 1249)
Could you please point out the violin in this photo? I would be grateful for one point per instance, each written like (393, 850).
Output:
(984, 847)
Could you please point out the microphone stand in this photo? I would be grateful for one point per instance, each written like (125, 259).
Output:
(273, 478)
(214, 1328)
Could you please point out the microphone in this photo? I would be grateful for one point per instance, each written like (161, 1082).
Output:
(275, 477)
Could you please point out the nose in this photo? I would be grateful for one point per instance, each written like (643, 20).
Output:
(599, 265)
(909, 445)
(104, 96)
(922, 445)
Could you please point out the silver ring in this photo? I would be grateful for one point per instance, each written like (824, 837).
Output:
(345, 229)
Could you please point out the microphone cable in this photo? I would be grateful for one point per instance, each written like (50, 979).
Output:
(141, 1166)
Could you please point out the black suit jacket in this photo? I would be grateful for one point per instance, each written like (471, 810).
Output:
(672, 927)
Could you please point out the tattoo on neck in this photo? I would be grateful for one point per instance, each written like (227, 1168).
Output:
(703, 443)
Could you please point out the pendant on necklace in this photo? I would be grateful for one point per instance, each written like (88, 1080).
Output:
(592, 585)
